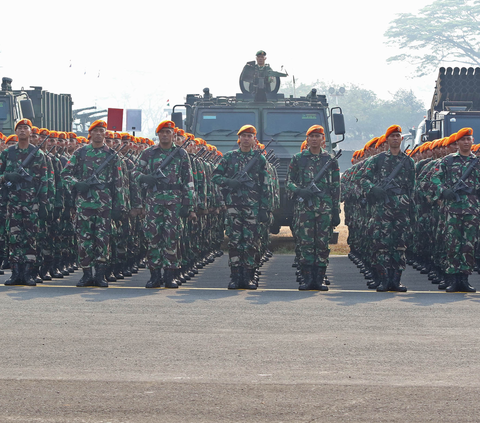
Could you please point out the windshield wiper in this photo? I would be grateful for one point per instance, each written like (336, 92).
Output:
(219, 130)
(288, 132)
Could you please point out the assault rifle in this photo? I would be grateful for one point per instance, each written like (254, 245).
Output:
(389, 184)
(158, 174)
(26, 162)
(242, 175)
(312, 186)
(461, 186)
(93, 180)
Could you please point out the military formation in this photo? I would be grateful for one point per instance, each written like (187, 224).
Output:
(419, 207)
(113, 203)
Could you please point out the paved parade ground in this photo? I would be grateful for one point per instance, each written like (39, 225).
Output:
(202, 353)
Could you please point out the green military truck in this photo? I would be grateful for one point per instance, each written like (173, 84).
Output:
(283, 119)
(455, 105)
(44, 109)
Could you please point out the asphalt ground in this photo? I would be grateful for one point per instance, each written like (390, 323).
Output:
(202, 353)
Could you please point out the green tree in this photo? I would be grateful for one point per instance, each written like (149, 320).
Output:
(446, 30)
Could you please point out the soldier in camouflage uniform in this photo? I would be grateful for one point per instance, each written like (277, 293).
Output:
(167, 201)
(246, 207)
(461, 208)
(316, 215)
(96, 205)
(27, 202)
(390, 211)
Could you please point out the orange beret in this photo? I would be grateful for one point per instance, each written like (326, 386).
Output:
(164, 124)
(2, 137)
(23, 122)
(11, 138)
(53, 134)
(303, 146)
(361, 152)
(44, 131)
(449, 140)
(61, 135)
(109, 135)
(181, 132)
(315, 128)
(117, 136)
(380, 141)
(464, 132)
(371, 143)
(392, 129)
(126, 136)
(34, 130)
(72, 135)
(100, 123)
(247, 128)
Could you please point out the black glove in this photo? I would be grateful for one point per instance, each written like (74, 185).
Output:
(57, 211)
(262, 216)
(184, 212)
(305, 193)
(335, 217)
(13, 177)
(149, 180)
(116, 214)
(233, 183)
(448, 194)
(82, 187)
(42, 212)
(379, 193)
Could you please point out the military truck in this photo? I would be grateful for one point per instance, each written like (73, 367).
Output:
(44, 109)
(283, 119)
(455, 105)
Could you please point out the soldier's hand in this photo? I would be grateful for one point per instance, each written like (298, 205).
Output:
(82, 187)
(305, 193)
(13, 177)
(379, 193)
(135, 212)
(149, 180)
(233, 183)
(192, 216)
(335, 217)
(448, 194)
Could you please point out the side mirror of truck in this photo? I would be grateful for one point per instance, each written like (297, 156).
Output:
(177, 118)
(434, 135)
(27, 109)
(338, 123)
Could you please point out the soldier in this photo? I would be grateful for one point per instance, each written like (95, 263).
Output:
(167, 201)
(96, 204)
(390, 209)
(246, 207)
(457, 181)
(316, 215)
(27, 202)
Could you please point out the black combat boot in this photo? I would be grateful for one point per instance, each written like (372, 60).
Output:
(63, 267)
(169, 278)
(395, 284)
(453, 281)
(179, 277)
(28, 275)
(1, 263)
(109, 276)
(464, 285)
(155, 279)
(375, 281)
(318, 275)
(86, 279)
(444, 282)
(44, 269)
(235, 278)
(248, 279)
(99, 278)
(55, 271)
(307, 276)
(16, 277)
(117, 271)
(384, 283)
(36, 274)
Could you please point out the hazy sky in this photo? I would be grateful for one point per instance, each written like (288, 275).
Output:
(121, 54)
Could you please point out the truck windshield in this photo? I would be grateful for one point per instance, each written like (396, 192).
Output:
(225, 122)
(290, 123)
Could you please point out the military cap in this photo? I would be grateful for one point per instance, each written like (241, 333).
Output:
(165, 124)
(43, 131)
(261, 53)
(391, 129)
(303, 146)
(23, 122)
(117, 136)
(98, 123)
(34, 130)
(11, 138)
(315, 128)
(464, 132)
(109, 135)
(247, 128)
(61, 135)
(53, 134)
(71, 135)
(380, 141)
(450, 140)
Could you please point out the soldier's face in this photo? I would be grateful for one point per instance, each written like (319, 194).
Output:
(247, 140)
(261, 60)
(465, 144)
(165, 137)
(23, 132)
(34, 139)
(97, 135)
(315, 140)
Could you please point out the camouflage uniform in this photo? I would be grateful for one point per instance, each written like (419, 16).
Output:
(314, 215)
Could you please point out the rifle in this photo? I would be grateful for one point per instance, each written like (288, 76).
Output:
(461, 186)
(242, 175)
(312, 186)
(158, 174)
(26, 162)
(93, 180)
(389, 183)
